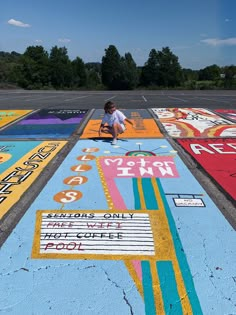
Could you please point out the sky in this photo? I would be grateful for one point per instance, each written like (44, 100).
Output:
(200, 33)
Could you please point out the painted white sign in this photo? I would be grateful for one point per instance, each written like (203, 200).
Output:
(188, 202)
(96, 233)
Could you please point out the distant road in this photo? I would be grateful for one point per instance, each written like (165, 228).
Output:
(21, 99)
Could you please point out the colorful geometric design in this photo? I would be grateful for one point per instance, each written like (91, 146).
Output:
(194, 122)
(227, 113)
(96, 199)
(144, 172)
(46, 123)
(20, 165)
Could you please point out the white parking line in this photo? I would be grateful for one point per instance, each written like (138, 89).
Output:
(210, 99)
(40, 98)
(144, 98)
(176, 98)
(75, 98)
(110, 98)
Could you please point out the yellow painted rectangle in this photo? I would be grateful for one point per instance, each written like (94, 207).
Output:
(18, 178)
(8, 116)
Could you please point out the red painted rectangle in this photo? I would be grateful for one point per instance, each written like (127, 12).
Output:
(217, 157)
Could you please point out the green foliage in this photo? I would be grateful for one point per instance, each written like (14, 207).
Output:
(8, 65)
(230, 77)
(210, 73)
(111, 68)
(36, 69)
(190, 75)
(149, 74)
(60, 68)
(33, 68)
(162, 69)
(129, 73)
(79, 76)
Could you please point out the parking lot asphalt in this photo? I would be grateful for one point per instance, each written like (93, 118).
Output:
(13, 99)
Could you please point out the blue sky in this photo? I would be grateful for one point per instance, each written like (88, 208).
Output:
(200, 33)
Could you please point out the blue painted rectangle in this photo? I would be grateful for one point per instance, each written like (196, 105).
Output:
(170, 295)
(46, 123)
(147, 289)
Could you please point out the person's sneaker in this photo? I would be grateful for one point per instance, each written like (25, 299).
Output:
(114, 141)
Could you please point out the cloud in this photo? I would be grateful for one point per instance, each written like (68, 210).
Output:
(64, 40)
(38, 41)
(227, 20)
(17, 23)
(182, 47)
(220, 42)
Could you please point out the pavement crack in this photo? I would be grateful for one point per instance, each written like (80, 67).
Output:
(123, 291)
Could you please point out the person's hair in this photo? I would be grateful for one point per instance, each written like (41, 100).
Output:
(109, 105)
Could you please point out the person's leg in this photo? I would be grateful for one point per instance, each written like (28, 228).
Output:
(116, 130)
(107, 129)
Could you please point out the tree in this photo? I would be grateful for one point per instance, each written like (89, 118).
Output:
(190, 75)
(162, 69)
(129, 73)
(60, 68)
(79, 73)
(230, 77)
(34, 68)
(169, 70)
(149, 74)
(111, 68)
(93, 79)
(94, 75)
(211, 73)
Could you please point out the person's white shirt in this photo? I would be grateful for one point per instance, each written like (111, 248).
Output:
(116, 117)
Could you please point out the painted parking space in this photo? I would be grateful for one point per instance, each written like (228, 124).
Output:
(227, 113)
(46, 123)
(217, 157)
(194, 122)
(8, 116)
(122, 229)
(20, 165)
(144, 125)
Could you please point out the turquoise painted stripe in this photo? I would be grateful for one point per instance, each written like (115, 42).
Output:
(147, 288)
(170, 295)
(186, 273)
(149, 194)
(137, 204)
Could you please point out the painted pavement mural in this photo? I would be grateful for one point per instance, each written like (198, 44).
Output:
(227, 113)
(217, 157)
(144, 125)
(46, 123)
(194, 122)
(20, 165)
(109, 229)
(8, 116)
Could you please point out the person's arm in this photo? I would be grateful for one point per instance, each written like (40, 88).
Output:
(129, 121)
(123, 118)
(102, 125)
(100, 129)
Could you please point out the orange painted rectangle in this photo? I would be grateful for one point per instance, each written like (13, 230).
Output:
(143, 128)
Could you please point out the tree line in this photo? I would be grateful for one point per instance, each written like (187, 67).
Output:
(38, 69)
